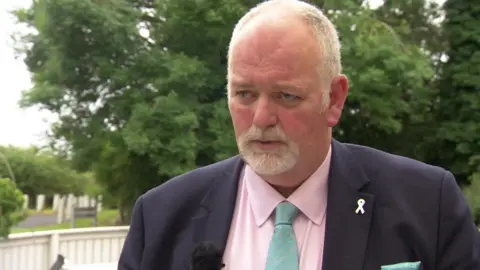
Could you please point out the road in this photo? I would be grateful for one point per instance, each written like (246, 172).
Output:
(38, 219)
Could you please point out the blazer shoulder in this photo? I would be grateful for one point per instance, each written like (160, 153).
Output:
(190, 183)
(375, 160)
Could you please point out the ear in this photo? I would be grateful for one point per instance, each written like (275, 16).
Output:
(338, 95)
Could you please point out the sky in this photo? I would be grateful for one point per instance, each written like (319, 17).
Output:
(21, 127)
(18, 127)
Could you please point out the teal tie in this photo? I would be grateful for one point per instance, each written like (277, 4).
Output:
(283, 251)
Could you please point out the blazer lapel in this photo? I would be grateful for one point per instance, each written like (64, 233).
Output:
(214, 216)
(346, 231)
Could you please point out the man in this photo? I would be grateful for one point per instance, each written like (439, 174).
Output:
(296, 198)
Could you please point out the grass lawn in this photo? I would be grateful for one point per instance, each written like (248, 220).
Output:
(104, 218)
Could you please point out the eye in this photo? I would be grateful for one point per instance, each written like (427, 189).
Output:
(244, 94)
(288, 97)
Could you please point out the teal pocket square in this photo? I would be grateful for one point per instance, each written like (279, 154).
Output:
(402, 266)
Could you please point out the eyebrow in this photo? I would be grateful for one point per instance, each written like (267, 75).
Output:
(287, 86)
(239, 82)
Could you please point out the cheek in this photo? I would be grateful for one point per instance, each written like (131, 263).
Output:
(242, 118)
(300, 126)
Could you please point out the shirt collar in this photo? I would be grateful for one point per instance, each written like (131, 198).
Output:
(310, 198)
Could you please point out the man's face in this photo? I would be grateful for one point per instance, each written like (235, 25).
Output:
(276, 96)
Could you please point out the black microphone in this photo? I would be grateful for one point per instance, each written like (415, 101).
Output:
(206, 256)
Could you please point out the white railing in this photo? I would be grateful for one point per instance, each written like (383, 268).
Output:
(39, 250)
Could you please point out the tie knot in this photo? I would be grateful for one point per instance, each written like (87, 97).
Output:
(285, 213)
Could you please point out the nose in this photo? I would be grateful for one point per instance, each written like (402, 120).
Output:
(265, 115)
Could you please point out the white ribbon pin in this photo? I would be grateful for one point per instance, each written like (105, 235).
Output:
(360, 203)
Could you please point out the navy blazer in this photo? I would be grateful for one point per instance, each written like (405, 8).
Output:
(413, 212)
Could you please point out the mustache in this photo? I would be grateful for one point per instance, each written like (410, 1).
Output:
(270, 134)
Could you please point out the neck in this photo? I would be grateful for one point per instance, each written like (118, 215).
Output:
(285, 191)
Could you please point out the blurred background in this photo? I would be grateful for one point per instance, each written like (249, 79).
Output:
(103, 100)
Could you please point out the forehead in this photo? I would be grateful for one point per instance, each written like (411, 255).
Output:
(272, 46)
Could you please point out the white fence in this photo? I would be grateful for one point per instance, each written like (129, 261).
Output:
(39, 250)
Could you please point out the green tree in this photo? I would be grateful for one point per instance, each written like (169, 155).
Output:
(389, 85)
(415, 22)
(11, 206)
(139, 86)
(472, 192)
(458, 109)
(39, 172)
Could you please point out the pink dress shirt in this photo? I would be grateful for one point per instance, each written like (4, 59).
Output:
(253, 222)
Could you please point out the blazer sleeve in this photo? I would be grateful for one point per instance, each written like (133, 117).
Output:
(132, 251)
(458, 238)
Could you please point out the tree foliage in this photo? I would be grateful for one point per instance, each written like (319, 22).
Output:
(458, 111)
(139, 86)
(11, 206)
(36, 172)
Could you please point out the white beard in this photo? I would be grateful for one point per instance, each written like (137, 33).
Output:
(268, 162)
